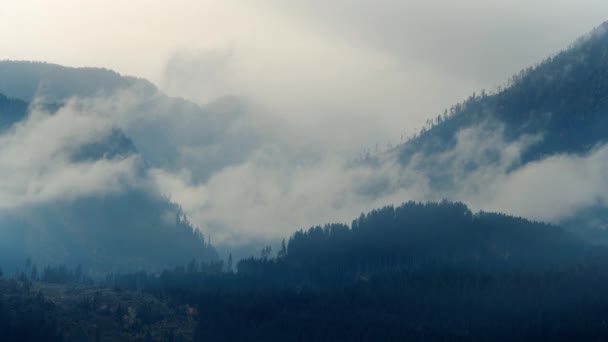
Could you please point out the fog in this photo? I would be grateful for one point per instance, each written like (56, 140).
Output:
(37, 159)
(270, 195)
(292, 94)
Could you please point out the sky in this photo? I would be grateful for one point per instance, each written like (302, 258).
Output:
(292, 92)
(314, 62)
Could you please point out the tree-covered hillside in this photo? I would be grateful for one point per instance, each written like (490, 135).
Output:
(137, 228)
(164, 129)
(11, 111)
(432, 271)
(423, 237)
(564, 98)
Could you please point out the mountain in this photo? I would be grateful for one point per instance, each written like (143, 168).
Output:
(166, 133)
(12, 111)
(564, 98)
(30, 80)
(134, 229)
(122, 232)
(418, 271)
(561, 101)
(433, 271)
(170, 133)
(417, 237)
(555, 109)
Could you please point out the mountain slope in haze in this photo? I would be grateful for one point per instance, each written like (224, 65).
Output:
(134, 229)
(170, 133)
(561, 101)
(167, 133)
(12, 111)
(29, 80)
(564, 98)
(121, 232)
(557, 109)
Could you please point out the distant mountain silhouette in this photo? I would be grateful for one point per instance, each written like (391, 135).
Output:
(55, 83)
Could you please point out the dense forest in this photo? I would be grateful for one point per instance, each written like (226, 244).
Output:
(431, 271)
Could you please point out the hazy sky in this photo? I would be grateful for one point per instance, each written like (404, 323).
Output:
(315, 62)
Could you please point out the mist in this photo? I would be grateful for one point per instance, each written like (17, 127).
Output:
(291, 98)
(38, 159)
(276, 194)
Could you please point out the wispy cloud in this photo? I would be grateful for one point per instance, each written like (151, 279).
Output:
(37, 164)
(241, 179)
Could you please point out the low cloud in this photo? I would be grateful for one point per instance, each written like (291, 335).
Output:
(269, 197)
(552, 189)
(37, 164)
(278, 185)
(485, 171)
(272, 194)
(240, 179)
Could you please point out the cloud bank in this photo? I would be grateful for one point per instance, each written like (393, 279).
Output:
(239, 189)
(37, 159)
(272, 194)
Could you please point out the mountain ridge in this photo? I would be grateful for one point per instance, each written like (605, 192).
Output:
(112, 232)
(527, 103)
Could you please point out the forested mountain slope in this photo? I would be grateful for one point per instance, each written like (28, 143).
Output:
(12, 111)
(551, 118)
(133, 229)
(165, 129)
(425, 237)
(433, 271)
(564, 98)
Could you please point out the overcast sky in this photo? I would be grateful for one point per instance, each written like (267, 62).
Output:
(314, 62)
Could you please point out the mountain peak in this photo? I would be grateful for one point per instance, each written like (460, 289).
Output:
(27, 80)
